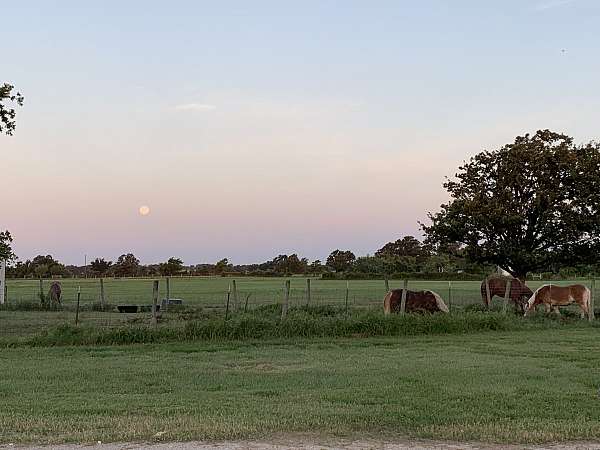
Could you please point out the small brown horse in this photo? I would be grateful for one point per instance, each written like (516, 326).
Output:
(519, 292)
(55, 292)
(416, 301)
(552, 297)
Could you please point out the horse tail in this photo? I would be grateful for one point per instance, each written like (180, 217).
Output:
(387, 303)
(440, 303)
(587, 298)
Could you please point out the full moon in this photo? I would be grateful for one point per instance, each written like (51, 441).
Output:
(144, 210)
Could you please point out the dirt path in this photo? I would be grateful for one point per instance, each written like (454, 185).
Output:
(311, 445)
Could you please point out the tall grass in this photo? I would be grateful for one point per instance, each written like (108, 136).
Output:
(317, 322)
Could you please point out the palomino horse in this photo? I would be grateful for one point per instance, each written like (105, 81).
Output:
(554, 296)
(519, 293)
(416, 301)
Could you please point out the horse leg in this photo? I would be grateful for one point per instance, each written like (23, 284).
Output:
(547, 307)
(556, 310)
(585, 310)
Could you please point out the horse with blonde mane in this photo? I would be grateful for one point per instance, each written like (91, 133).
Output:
(552, 296)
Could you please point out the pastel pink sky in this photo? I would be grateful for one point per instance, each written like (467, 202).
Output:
(252, 134)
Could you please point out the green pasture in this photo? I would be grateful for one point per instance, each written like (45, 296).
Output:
(209, 294)
(529, 386)
(212, 291)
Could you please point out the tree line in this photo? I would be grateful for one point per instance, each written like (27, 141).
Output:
(407, 254)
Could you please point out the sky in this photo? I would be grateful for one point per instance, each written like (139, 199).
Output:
(252, 129)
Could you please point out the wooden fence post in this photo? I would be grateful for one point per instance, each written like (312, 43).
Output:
(246, 304)
(286, 299)
(449, 295)
(506, 295)
(102, 294)
(168, 281)
(307, 291)
(154, 302)
(346, 297)
(387, 284)
(42, 297)
(227, 304)
(403, 298)
(591, 315)
(487, 293)
(235, 295)
(77, 310)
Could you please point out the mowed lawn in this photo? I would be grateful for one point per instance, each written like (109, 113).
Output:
(496, 387)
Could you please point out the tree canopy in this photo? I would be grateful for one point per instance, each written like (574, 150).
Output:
(173, 266)
(407, 246)
(100, 266)
(8, 99)
(340, 260)
(531, 205)
(127, 265)
(6, 252)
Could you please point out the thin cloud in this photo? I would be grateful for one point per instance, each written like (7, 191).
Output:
(551, 4)
(194, 107)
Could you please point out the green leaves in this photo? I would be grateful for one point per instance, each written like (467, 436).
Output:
(8, 114)
(530, 205)
(6, 252)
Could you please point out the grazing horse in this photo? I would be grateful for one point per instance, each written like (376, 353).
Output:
(554, 296)
(416, 301)
(55, 292)
(519, 293)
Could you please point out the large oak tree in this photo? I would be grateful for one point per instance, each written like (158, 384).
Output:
(533, 205)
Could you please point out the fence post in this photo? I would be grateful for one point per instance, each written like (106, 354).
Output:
(102, 294)
(403, 298)
(154, 302)
(387, 284)
(487, 293)
(77, 310)
(449, 295)
(235, 295)
(307, 291)
(591, 315)
(506, 295)
(246, 304)
(2, 281)
(286, 299)
(168, 281)
(227, 304)
(42, 297)
(346, 297)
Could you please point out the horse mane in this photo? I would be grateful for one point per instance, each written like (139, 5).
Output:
(532, 298)
(440, 303)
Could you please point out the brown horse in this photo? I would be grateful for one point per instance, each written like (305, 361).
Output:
(54, 293)
(552, 297)
(519, 293)
(416, 301)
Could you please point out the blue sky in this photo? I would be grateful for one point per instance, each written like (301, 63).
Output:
(258, 128)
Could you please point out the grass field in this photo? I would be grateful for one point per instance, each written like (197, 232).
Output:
(532, 386)
(212, 291)
(209, 293)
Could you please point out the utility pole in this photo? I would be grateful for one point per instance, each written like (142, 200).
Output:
(85, 266)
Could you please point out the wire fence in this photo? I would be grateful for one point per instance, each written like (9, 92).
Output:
(112, 301)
